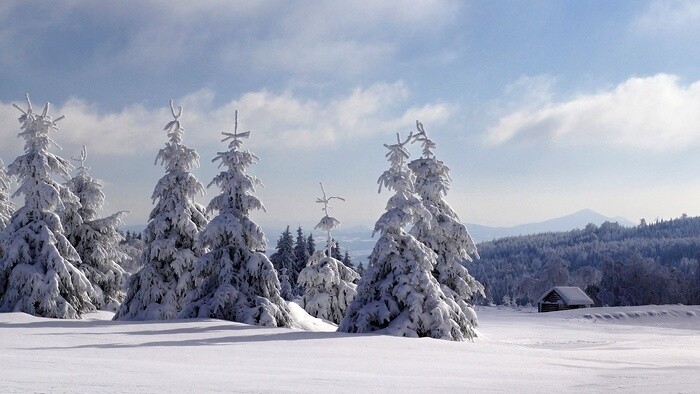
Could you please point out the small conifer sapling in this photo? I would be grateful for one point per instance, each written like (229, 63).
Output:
(328, 284)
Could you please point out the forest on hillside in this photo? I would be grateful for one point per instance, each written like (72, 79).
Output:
(653, 263)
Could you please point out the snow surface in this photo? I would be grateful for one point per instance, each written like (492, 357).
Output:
(622, 349)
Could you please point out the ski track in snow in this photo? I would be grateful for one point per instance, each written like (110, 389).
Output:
(625, 349)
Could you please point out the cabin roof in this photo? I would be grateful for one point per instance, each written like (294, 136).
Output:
(571, 295)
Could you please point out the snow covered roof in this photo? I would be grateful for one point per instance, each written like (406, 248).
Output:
(571, 295)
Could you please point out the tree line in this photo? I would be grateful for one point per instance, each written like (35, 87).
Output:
(651, 263)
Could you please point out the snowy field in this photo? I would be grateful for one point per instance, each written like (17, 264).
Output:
(631, 349)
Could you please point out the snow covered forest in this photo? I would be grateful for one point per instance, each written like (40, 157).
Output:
(59, 259)
(652, 263)
(197, 266)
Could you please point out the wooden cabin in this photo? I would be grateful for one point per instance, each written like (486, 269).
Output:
(561, 298)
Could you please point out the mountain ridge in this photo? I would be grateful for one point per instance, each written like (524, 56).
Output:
(579, 219)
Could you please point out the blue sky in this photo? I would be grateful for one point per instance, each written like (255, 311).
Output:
(540, 108)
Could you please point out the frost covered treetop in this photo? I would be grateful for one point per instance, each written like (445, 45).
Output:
(88, 189)
(236, 185)
(38, 162)
(176, 156)
(236, 199)
(235, 137)
(422, 137)
(404, 207)
(395, 178)
(328, 222)
(36, 128)
(432, 175)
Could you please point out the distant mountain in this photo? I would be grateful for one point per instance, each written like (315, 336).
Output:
(566, 223)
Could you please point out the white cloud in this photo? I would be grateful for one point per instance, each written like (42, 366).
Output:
(652, 113)
(282, 121)
(668, 16)
(278, 121)
(131, 130)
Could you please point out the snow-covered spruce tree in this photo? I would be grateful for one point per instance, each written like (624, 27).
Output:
(158, 290)
(239, 282)
(132, 246)
(301, 251)
(444, 233)
(284, 259)
(361, 270)
(6, 206)
(310, 244)
(286, 291)
(38, 271)
(328, 284)
(335, 250)
(347, 260)
(96, 239)
(398, 294)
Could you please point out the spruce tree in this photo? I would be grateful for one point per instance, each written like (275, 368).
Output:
(329, 285)
(335, 250)
(347, 260)
(398, 294)
(286, 291)
(311, 244)
(284, 258)
(157, 291)
(361, 269)
(39, 271)
(6, 206)
(301, 251)
(444, 233)
(238, 281)
(96, 239)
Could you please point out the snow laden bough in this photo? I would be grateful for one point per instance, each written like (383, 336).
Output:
(398, 294)
(6, 206)
(95, 239)
(238, 281)
(443, 232)
(38, 271)
(158, 290)
(329, 285)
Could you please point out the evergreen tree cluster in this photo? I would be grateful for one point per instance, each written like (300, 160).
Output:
(416, 284)
(291, 255)
(57, 257)
(196, 267)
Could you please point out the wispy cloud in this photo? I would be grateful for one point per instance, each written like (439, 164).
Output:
(656, 113)
(304, 37)
(668, 16)
(282, 121)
